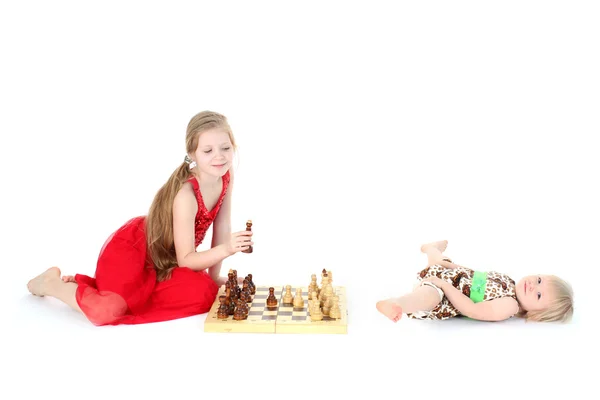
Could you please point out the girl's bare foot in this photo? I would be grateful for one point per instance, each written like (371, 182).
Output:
(441, 246)
(390, 309)
(38, 286)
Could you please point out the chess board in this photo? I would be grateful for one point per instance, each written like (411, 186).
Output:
(284, 319)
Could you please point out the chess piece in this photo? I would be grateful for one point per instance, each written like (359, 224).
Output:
(223, 312)
(316, 314)
(244, 304)
(248, 228)
(334, 311)
(239, 313)
(298, 300)
(271, 300)
(312, 287)
(326, 293)
(251, 284)
(246, 291)
(287, 297)
(324, 284)
(229, 301)
(327, 305)
(330, 276)
(314, 299)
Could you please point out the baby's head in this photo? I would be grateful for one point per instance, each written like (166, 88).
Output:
(544, 298)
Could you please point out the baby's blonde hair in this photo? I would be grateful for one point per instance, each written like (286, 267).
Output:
(560, 310)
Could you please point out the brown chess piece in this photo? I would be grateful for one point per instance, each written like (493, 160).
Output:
(244, 304)
(223, 312)
(229, 301)
(271, 300)
(248, 228)
(251, 284)
(239, 313)
(246, 291)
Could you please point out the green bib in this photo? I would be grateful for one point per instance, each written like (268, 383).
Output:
(478, 286)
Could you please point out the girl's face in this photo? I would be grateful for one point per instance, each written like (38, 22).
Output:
(534, 293)
(214, 153)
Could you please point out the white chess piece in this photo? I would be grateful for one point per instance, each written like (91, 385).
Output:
(298, 300)
(334, 311)
(312, 287)
(287, 297)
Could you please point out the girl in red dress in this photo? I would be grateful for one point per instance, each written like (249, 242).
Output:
(149, 269)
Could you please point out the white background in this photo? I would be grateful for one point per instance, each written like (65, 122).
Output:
(363, 131)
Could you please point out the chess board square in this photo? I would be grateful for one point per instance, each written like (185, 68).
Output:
(299, 317)
(285, 313)
(269, 317)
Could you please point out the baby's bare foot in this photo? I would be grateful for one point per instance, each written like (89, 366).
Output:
(441, 246)
(390, 309)
(38, 286)
(68, 278)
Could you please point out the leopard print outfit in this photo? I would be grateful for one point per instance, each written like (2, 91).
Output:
(498, 285)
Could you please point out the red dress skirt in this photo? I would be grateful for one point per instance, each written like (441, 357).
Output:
(124, 289)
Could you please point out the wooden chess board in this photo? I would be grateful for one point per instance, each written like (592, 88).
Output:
(285, 319)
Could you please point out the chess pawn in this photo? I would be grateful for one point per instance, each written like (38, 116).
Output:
(334, 311)
(312, 287)
(287, 297)
(246, 292)
(251, 284)
(239, 314)
(244, 305)
(314, 300)
(248, 228)
(316, 314)
(223, 312)
(271, 300)
(298, 300)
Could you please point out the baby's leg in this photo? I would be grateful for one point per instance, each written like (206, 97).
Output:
(434, 252)
(423, 298)
(50, 284)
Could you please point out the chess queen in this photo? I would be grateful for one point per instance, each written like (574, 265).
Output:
(149, 270)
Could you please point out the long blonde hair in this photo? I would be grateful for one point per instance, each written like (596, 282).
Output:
(159, 222)
(560, 310)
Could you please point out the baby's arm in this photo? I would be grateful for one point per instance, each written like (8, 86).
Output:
(493, 310)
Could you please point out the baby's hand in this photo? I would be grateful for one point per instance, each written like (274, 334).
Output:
(239, 241)
(435, 280)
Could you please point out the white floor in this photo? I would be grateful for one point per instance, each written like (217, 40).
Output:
(54, 353)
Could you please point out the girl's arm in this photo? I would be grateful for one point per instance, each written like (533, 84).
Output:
(185, 208)
(493, 310)
(222, 231)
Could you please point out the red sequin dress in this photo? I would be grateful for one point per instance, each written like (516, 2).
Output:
(125, 291)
